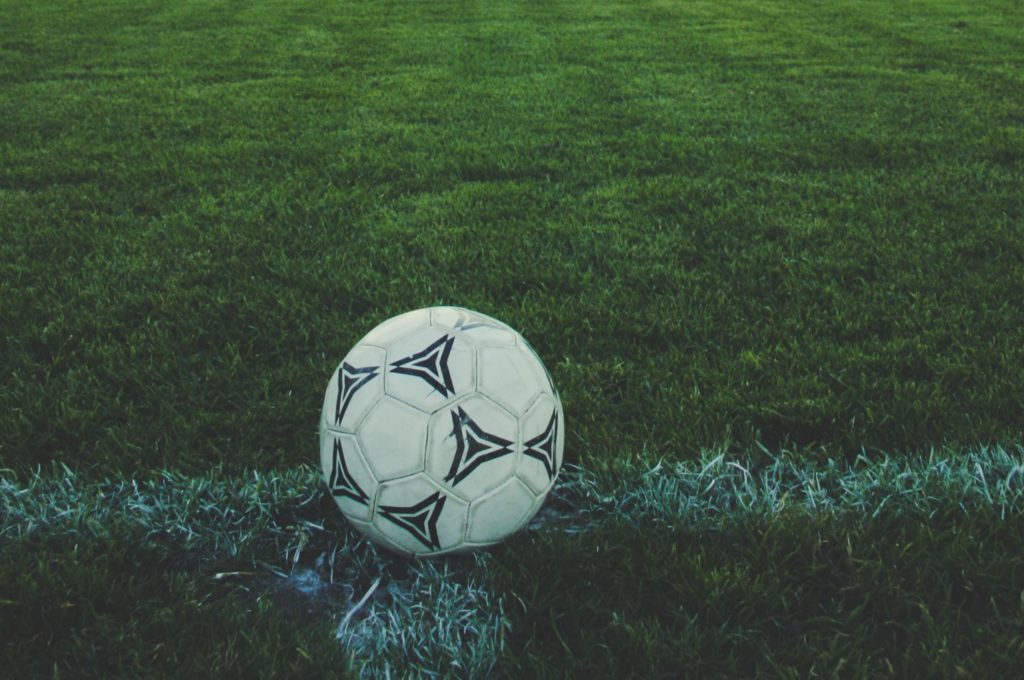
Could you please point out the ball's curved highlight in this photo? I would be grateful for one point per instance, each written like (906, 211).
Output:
(441, 431)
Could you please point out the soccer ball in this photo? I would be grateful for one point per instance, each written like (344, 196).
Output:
(441, 431)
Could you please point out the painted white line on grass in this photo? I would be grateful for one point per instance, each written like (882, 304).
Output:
(716, 487)
(438, 618)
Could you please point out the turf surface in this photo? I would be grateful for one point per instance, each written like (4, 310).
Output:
(718, 222)
(709, 568)
(723, 225)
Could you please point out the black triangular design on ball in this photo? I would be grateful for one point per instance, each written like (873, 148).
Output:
(342, 483)
(431, 365)
(473, 446)
(420, 520)
(350, 379)
(542, 447)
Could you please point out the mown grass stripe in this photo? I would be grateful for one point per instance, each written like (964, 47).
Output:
(734, 222)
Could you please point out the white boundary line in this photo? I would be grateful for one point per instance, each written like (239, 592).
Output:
(441, 617)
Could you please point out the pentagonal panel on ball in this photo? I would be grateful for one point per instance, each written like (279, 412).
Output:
(356, 384)
(481, 328)
(349, 480)
(429, 368)
(542, 444)
(388, 331)
(501, 512)
(419, 516)
(510, 376)
(393, 436)
(471, 446)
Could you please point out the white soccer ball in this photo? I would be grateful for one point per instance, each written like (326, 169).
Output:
(441, 431)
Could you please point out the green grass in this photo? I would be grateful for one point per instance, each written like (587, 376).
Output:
(718, 222)
(791, 570)
(717, 567)
(742, 226)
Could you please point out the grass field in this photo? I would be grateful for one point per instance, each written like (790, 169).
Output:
(785, 238)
